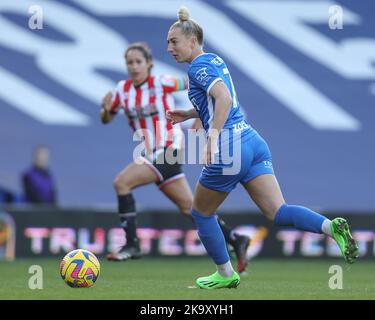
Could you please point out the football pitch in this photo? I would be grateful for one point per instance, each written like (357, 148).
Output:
(173, 278)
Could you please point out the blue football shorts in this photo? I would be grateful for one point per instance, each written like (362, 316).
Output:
(231, 167)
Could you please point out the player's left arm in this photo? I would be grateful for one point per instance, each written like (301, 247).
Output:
(173, 84)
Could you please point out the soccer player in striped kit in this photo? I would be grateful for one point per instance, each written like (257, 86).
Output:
(213, 95)
(145, 99)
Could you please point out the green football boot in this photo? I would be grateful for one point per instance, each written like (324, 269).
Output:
(216, 281)
(341, 233)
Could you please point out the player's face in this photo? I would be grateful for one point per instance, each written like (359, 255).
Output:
(138, 66)
(180, 46)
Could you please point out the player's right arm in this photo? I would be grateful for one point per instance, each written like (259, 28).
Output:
(181, 115)
(106, 112)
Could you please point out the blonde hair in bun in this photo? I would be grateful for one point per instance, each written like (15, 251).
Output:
(183, 14)
(188, 26)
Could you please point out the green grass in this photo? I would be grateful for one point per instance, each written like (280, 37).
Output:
(170, 278)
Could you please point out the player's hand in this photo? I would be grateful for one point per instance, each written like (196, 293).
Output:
(107, 101)
(177, 116)
(197, 124)
(209, 151)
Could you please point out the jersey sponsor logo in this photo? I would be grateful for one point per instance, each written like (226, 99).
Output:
(146, 111)
(202, 76)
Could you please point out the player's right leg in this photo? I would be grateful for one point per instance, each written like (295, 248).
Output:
(266, 193)
(132, 176)
(261, 184)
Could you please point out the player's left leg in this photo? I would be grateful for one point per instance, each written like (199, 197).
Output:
(266, 193)
(178, 191)
(129, 178)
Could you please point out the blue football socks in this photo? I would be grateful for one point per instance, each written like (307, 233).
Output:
(212, 237)
(299, 217)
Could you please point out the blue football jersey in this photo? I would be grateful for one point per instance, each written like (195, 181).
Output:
(204, 71)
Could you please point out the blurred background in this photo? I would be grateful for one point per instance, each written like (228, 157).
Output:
(304, 73)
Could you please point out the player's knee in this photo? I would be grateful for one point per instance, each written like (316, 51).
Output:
(185, 207)
(121, 184)
(271, 211)
(269, 214)
(186, 211)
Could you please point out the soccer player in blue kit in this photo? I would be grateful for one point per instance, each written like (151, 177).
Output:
(213, 96)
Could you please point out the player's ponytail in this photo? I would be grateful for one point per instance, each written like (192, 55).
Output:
(188, 26)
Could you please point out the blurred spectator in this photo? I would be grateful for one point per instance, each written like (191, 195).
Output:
(6, 196)
(38, 184)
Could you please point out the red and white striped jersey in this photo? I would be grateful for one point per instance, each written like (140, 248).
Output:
(145, 107)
